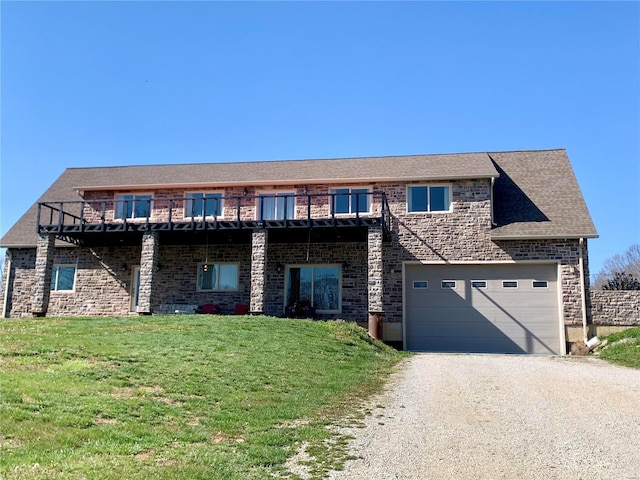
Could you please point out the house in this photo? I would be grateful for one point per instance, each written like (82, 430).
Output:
(471, 252)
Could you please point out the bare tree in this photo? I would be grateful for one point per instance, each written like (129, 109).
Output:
(622, 265)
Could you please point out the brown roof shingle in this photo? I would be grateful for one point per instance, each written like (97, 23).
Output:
(422, 167)
(536, 194)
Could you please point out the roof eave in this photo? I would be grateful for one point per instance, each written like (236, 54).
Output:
(264, 183)
(59, 244)
(544, 237)
(17, 245)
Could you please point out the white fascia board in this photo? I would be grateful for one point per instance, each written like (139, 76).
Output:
(543, 237)
(264, 183)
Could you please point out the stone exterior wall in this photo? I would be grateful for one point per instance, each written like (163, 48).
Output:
(20, 266)
(101, 203)
(177, 278)
(352, 257)
(102, 282)
(42, 273)
(104, 277)
(105, 274)
(464, 235)
(148, 271)
(615, 307)
(259, 240)
(375, 265)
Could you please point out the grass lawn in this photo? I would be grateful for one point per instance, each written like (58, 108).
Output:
(625, 352)
(177, 397)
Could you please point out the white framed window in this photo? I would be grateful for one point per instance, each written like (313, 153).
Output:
(481, 284)
(63, 278)
(203, 204)
(448, 284)
(428, 198)
(276, 206)
(218, 277)
(350, 200)
(420, 284)
(133, 206)
(510, 284)
(318, 285)
(540, 284)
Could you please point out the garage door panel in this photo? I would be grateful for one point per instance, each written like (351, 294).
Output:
(453, 327)
(463, 344)
(454, 322)
(518, 320)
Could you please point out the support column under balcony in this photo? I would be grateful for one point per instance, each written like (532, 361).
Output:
(148, 270)
(42, 275)
(375, 281)
(258, 271)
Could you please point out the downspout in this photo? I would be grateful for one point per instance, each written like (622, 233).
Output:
(5, 301)
(583, 291)
(493, 181)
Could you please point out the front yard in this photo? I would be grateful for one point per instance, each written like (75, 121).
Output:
(176, 397)
(622, 348)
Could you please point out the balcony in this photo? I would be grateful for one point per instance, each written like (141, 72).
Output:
(189, 220)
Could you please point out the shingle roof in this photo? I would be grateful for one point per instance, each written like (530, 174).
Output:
(534, 209)
(537, 196)
(422, 167)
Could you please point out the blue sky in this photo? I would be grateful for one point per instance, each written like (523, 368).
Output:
(119, 83)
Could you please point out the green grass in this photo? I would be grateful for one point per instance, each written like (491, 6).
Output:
(177, 397)
(627, 354)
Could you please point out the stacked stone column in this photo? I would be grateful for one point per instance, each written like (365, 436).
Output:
(258, 270)
(42, 275)
(148, 270)
(375, 281)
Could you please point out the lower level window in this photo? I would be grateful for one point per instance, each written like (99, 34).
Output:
(63, 278)
(218, 276)
(318, 285)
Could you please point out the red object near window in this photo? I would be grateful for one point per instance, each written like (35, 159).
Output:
(241, 309)
(209, 308)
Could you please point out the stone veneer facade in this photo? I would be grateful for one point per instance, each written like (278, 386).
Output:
(371, 276)
(615, 307)
(42, 273)
(259, 242)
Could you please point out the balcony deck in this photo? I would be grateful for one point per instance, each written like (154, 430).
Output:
(98, 222)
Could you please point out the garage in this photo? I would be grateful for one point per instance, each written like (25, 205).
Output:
(482, 308)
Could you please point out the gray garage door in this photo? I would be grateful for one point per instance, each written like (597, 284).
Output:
(506, 308)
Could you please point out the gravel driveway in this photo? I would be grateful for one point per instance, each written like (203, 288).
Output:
(501, 417)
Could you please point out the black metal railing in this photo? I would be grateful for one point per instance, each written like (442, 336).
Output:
(281, 210)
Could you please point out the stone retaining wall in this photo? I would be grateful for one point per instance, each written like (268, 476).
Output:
(615, 307)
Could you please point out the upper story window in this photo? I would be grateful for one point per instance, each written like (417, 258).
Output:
(63, 278)
(350, 200)
(276, 206)
(199, 204)
(133, 206)
(429, 198)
